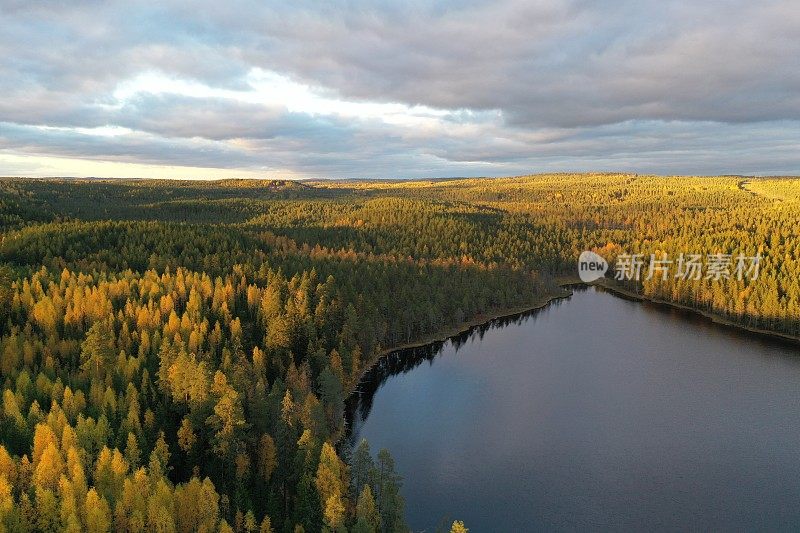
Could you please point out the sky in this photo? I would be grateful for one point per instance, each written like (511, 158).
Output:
(405, 89)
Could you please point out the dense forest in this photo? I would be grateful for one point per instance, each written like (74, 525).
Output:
(176, 355)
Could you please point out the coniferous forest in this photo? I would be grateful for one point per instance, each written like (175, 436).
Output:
(176, 355)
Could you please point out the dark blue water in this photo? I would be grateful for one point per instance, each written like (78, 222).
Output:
(595, 412)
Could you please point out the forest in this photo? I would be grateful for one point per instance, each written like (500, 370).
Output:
(176, 355)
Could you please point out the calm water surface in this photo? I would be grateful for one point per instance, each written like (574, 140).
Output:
(596, 412)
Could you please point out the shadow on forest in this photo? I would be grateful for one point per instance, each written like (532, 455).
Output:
(393, 238)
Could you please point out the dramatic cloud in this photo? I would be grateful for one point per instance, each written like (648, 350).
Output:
(400, 89)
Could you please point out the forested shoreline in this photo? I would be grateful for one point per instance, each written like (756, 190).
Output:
(176, 355)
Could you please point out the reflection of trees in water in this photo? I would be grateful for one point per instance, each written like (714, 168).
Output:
(699, 320)
(359, 404)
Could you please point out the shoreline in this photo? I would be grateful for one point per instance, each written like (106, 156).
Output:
(615, 289)
(443, 335)
(479, 320)
(563, 283)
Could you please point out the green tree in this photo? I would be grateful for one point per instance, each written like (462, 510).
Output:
(368, 519)
(361, 468)
(97, 349)
(387, 493)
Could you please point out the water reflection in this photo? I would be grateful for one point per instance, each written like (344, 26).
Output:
(592, 413)
(398, 362)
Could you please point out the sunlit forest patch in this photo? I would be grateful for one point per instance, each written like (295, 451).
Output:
(177, 355)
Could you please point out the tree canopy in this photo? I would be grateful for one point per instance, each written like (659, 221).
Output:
(177, 355)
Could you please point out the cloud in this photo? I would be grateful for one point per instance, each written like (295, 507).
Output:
(386, 89)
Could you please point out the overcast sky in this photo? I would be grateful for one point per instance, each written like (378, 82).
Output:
(398, 89)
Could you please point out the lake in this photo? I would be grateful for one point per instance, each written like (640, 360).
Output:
(594, 412)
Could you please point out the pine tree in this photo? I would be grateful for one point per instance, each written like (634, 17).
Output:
(368, 519)
(97, 350)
